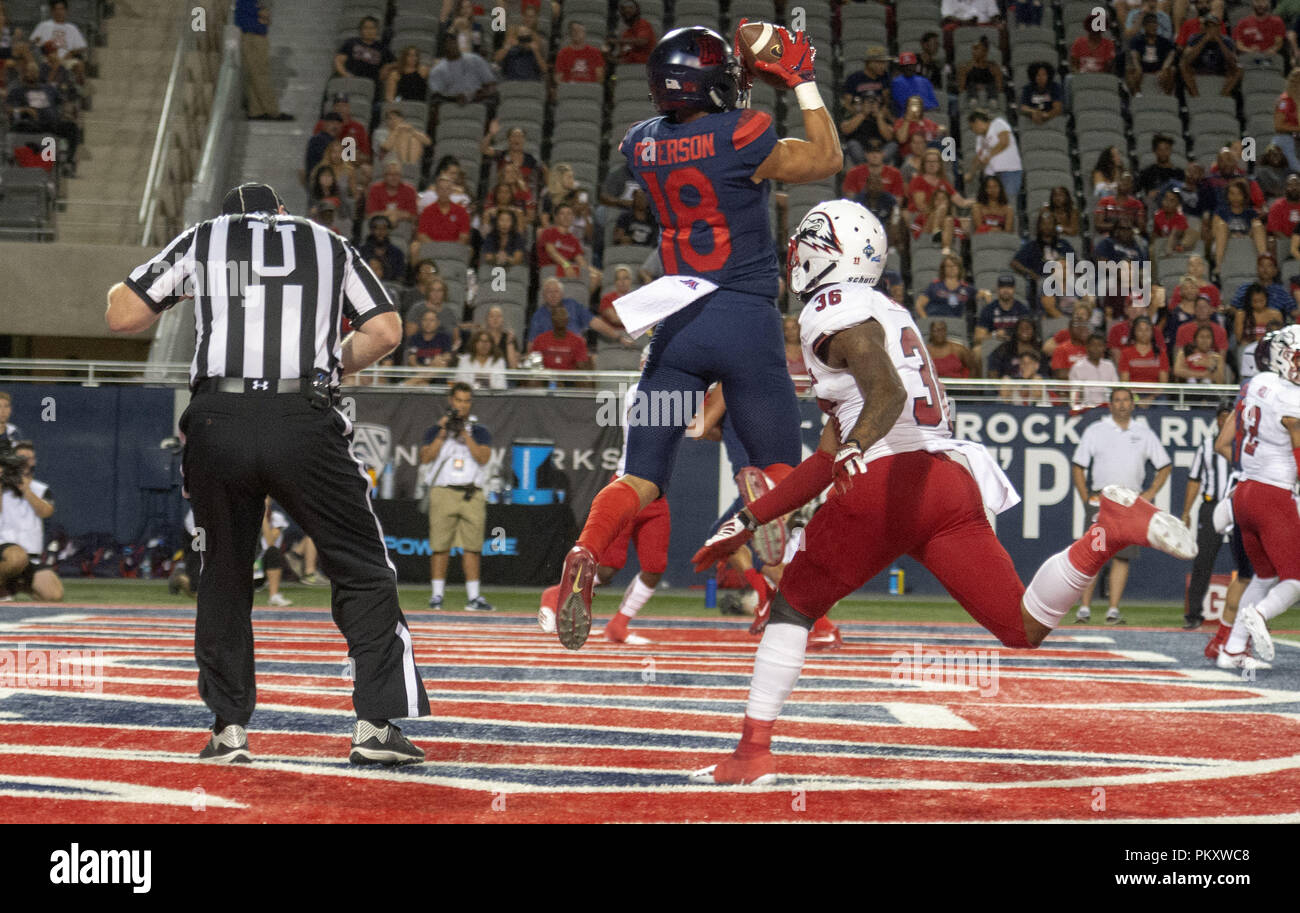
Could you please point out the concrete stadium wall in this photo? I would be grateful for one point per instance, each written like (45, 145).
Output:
(60, 289)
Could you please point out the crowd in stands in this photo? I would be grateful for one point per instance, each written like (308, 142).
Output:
(1001, 142)
(43, 63)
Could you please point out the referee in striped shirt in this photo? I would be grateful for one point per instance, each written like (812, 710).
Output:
(269, 293)
(1208, 483)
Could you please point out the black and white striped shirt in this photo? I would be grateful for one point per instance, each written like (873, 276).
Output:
(1211, 470)
(269, 295)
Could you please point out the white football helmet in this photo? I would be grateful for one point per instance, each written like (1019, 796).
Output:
(1284, 353)
(837, 241)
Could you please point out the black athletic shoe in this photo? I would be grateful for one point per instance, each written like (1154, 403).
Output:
(229, 746)
(479, 604)
(1191, 624)
(382, 745)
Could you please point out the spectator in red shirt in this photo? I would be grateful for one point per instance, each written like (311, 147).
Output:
(1092, 52)
(532, 172)
(442, 220)
(562, 350)
(1143, 362)
(914, 121)
(1122, 200)
(1205, 317)
(1171, 231)
(1210, 53)
(578, 61)
(1286, 121)
(637, 40)
(1073, 349)
(1284, 214)
(1192, 24)
(622, 285)
(352, 128)
(392, 196)
(928, 180)
(1200, 361)
(1260, 33)
(891, 179)
(558, 246)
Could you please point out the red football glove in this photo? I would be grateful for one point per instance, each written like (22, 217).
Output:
(722, 544)
(796, 64)
(849, 462)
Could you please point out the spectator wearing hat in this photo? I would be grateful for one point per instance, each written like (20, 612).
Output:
(871, 81)
(351, 128)
(867, 123)
(1211, 53)
(1092, 52)
(327, 131)
(996, 152)
(908, 83)
(1266, 275)
(1151, 53)
(998, 318)
(253, 17)
(1094, 366)
(378, 247)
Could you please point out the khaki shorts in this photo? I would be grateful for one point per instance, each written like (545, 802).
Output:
(455, 522)
(1128, 553)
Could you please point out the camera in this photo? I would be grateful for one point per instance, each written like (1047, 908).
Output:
(13, 466)
(455, 424)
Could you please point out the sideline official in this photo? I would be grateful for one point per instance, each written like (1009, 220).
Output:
(270, 291)
(1208, 482)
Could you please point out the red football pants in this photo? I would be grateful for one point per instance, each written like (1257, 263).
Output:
(918, 504)
(1270, 529)
(648, 531)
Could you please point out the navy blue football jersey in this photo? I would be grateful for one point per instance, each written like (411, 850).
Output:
(713, 216)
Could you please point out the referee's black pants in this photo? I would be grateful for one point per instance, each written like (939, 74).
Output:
(1208, 543)
(240, 447)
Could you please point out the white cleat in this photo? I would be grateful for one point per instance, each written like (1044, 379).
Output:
(1257, 627)
(636, 640)
(1242, 661)
(1139, 521)
(546, 620)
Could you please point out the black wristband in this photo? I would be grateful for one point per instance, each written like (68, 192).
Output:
(747, 518)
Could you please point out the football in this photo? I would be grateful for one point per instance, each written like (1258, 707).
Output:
(760, 41)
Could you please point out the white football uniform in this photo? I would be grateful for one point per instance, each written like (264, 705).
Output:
(1265, 444)
(925, 422)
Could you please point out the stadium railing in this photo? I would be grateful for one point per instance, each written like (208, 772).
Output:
(1045, 393)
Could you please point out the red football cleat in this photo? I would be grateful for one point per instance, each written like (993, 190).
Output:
(1217, 641)
(1131, 520)
(764, 610)
(825, 635)
(757, 770)
(573, 620)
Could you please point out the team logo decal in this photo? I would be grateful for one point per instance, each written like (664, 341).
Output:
(818, 233)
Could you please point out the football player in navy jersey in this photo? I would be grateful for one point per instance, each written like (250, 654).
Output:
(706, 163)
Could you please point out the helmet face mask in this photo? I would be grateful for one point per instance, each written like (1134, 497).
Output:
(693, 69)
(1284, 353)
(837, 241)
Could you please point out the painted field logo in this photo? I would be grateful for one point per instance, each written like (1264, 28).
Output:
(976, 669)
(78, 866)
(73, 670)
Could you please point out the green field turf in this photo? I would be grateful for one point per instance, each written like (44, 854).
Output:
(665, 604)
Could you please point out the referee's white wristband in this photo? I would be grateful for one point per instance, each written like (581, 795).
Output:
(810, 99)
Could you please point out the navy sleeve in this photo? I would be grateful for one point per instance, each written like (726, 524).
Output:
(480, 435)
(430, 435)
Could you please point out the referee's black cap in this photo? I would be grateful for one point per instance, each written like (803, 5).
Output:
(251, 197)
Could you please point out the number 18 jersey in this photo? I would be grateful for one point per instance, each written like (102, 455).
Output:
(924, 421)
(713, 217)
(1265, 444)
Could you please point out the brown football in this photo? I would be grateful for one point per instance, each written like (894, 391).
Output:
(760, 41)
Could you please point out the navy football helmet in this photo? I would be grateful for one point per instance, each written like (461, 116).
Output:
(693, 69)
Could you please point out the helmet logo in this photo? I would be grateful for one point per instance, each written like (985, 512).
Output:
(818, 233)
(672, 84)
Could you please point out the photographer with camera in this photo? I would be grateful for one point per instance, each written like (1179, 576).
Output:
(25, 503)
(866, 121)
(452, 460)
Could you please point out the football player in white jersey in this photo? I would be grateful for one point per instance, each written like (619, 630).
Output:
(1263, 502)
(902, 484)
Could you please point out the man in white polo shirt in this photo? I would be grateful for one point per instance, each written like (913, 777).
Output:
(1115, 451)
(996, 152)
(23, 511)
(1094, 366)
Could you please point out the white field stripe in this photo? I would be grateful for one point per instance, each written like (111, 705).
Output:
(108, 791)
(859, 750)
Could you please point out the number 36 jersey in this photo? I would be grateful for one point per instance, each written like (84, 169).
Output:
(924, 422)
(1265, 444)
(713, 217)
